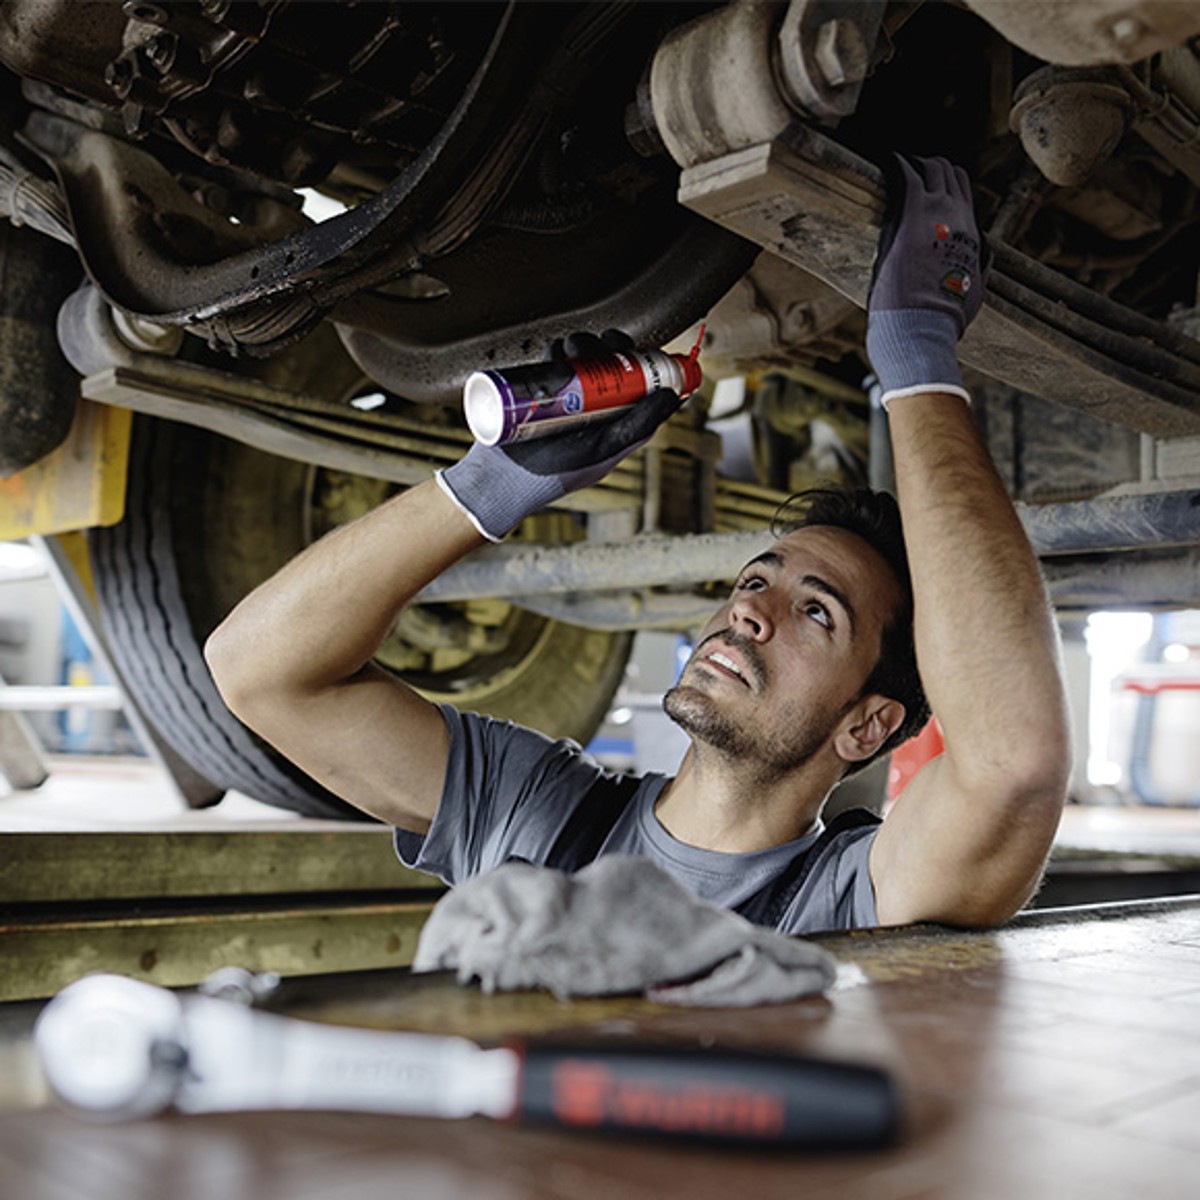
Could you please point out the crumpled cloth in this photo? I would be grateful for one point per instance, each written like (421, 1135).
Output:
(620, 925)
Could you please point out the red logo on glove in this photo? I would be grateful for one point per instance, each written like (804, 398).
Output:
(957, 281)
(941, 232)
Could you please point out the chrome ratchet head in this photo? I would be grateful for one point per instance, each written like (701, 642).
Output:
(112, 1048)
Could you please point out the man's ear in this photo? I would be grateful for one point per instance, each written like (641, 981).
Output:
(867, 726)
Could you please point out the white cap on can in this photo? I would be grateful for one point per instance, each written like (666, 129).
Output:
(483, 406)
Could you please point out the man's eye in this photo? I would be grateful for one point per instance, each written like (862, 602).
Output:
(751, 583)
(819, 613)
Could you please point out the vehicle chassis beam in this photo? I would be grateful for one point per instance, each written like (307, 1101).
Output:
(608, 584)
(1085, 547)
(819, 206)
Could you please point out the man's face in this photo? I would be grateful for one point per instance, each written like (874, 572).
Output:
(785, 658)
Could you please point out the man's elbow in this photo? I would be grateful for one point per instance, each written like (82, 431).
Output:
(1042, 752)
(1010, 877)
(991, 907)
(232, 668)
(1041, 778)
(993, 892)
(1010, 864)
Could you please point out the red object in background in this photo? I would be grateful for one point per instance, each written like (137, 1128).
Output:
(1149, 679)
(908, 759)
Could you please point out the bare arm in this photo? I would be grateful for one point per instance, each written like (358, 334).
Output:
(967, 841)
(293, 660)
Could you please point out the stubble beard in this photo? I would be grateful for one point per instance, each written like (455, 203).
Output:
(749, 747)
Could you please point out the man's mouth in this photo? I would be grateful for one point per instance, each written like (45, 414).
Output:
(722, 660)
(749, 672)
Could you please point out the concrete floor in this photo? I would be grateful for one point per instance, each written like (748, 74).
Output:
(102, 794)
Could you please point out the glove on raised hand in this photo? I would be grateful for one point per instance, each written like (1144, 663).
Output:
(497, 487)
(929, 279)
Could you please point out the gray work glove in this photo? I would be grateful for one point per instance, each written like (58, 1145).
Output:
(929, 280)
(620, 925)
(497, 487)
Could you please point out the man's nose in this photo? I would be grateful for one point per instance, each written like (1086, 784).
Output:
(749, 615)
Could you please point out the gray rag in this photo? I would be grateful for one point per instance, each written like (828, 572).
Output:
(618, 926)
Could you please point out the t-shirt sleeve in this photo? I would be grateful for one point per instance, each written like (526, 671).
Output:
(856, 889)
(838, 893)
(507, 794)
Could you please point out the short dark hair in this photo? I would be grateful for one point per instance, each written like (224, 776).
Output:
(874, 517)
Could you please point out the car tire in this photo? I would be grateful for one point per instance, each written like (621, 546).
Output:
(207, 519)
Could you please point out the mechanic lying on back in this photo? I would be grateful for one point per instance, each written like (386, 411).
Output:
(804, 674)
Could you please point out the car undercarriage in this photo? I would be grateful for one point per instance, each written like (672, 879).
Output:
(283, 233)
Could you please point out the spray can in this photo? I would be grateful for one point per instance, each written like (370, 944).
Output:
(541, 398)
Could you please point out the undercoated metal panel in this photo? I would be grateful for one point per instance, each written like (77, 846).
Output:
(1150, 579)
(278, 422)
(1112, 523)
(637, 562)
(398, 449)
(819, 206)
(1100, 31)
(1100, 525)
(1178, 458)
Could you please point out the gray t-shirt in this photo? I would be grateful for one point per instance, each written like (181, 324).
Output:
(509, 792)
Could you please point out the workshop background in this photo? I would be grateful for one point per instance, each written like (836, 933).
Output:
(1133, 681)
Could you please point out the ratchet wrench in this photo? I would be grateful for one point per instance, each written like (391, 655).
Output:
(114, 1048)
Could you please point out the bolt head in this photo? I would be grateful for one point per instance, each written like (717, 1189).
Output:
(840, 53)
(1126, 31)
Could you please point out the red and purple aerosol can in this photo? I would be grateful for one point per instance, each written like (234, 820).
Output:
(532, 401)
